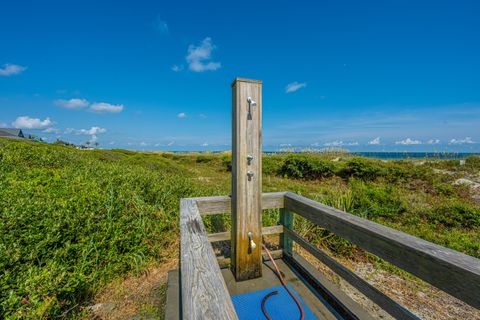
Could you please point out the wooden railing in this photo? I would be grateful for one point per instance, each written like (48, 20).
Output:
(204, 294)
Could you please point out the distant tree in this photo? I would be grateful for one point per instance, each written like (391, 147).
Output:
(87, 143)
(97, 144)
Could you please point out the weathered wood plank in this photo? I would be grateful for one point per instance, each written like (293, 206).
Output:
(246, 179)
(224, 262)
(172, 305)
(204, 293)
(223, 204)
(386, 303)
(456, 273)
(286, 219)
(330, 292)
(223, 236)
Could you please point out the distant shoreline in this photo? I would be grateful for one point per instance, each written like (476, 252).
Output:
(388, 155)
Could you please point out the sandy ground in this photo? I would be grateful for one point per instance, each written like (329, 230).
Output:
(135, 297)
(419, 297)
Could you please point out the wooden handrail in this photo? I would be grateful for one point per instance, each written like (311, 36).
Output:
(223, 236)
(223, 204)
(456, 273)
(204, 292)
(385, 302)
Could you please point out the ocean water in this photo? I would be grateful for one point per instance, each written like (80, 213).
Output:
(404, 155)
(377, 155)
(414, 155)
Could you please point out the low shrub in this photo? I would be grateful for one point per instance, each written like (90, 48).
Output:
(271, 165)
(227, 162)
(300, 166)
(455, 214)
(473, 162)
(204, 158)
(373, 201)
(362, 168)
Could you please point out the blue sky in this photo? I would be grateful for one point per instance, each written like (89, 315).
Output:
(363, 75)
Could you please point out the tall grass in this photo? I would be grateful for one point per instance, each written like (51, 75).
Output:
(73, 220)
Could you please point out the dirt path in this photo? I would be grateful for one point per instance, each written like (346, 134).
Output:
(135, 297)
(419, 297)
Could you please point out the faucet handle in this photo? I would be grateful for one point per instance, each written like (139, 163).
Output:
(252, 243)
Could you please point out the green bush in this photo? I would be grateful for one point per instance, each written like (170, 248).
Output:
(365, 169)
(473, 162)
(302, 166)
(455, 214)
(204, 158)
(227, 162)
(271, 165)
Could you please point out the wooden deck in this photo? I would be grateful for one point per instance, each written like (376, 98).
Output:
(317, 296)
(205, 289)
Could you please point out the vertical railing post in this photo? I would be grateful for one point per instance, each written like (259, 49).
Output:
(246, 240)
(286, 219)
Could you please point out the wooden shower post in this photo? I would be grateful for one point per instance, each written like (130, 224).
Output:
(246, 239)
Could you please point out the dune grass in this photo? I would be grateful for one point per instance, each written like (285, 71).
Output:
(74, 220)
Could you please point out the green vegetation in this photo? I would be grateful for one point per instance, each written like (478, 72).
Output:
(72, 220)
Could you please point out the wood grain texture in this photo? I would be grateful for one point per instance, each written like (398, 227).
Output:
(286, 219)
(224, 262)
(204, 293)
(345, 307)
(223, 236)
(246, 190)
(172, 304)
(456, 273)
(386, 303)
(223, 204)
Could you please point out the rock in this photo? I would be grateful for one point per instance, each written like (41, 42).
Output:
(106, 307)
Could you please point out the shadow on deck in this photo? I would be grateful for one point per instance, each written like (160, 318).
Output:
(324, 299)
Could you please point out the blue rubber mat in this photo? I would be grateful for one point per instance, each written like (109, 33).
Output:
(279, 307)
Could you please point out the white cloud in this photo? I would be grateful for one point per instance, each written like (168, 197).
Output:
(11, 69)
(52, 130)
(161, 26)
(199, 57)
(433, 141)
(143, 144)
(25, 122)
(294, 86)
(467, 140)
(87, 132)
(93, 130)
(103, 107)
(171, 143)
(93, 138)
(375, 141)
(177, 68)
(182, 115)
(408, 141)
(340, 144)
(72, 103)
(204, 144)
